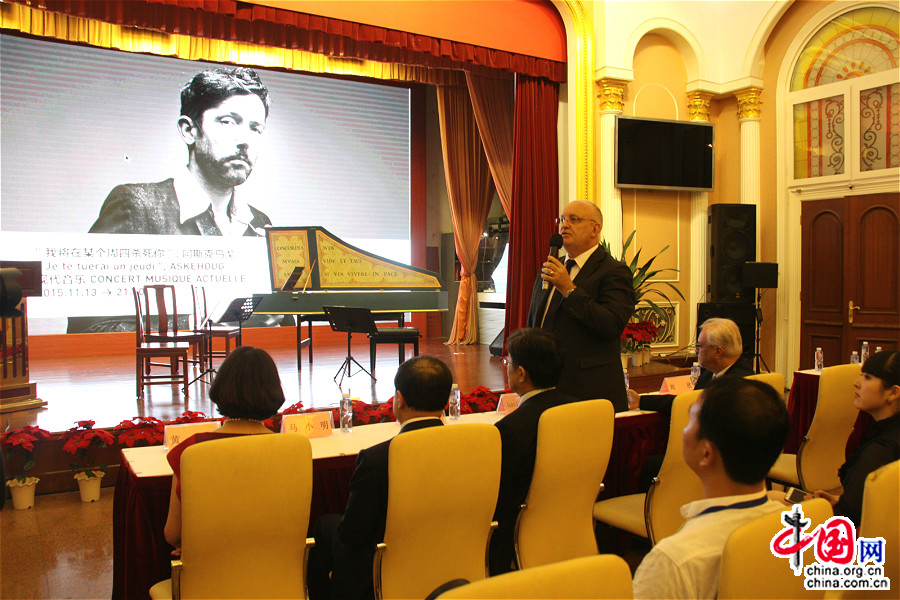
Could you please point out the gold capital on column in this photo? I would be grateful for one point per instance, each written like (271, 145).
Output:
(698, 105)
(749, 103)
(611, 94)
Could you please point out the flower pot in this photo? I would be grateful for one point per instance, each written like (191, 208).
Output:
(637, 358)
(22, 492)
(647, 355)
(89, 487)
(624, 358)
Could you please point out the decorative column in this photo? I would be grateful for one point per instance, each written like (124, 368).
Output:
(611, 102)
(748, 103)
(698, 109)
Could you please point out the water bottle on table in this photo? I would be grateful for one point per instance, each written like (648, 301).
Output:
(454, 402)
(854, 358)
(864, 352)
(695, 374)
(820, 359)
(346, 413)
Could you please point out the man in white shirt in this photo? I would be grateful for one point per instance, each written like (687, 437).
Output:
(736, 431)
(223, 117)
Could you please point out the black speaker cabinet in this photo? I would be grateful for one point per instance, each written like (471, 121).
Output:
(744, 315)
(496, 346)
(732, 242)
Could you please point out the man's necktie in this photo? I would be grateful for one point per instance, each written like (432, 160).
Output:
(556, 298)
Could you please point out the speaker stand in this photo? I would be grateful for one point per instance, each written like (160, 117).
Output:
(757, 356)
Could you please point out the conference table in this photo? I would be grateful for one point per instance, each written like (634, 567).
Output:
(141, 556)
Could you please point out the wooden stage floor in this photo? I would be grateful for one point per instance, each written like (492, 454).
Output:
(103, 388)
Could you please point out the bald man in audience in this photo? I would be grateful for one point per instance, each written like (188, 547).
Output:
(719, 348)
(533, 368)
(736, 431)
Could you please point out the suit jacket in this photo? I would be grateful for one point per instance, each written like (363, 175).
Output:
(153, 208)
(518, 435)
(589, 324)
(362, 526)
(662, 403)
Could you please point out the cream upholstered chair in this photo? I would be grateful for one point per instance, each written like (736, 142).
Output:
(657, 513)
(442, 491)
(880, 515)
(245, 513)
(776, 380)
(821, 452)
(600, 576)
(750, 570)
(573, 445)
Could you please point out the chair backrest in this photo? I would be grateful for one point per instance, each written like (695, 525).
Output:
(573, 445)
(776, 380)
(245, 515)
(822, 451)
(750, 570)
(198, 297)
(676, 483)
(589, 577)
(442, 491)
(138, 316)
(881, 518)
(158, 300)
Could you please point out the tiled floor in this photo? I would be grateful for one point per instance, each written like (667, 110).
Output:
(60, 548)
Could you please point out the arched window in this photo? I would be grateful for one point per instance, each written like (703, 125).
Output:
(846, 99)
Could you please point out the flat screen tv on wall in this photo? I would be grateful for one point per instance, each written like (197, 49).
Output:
(668, 155)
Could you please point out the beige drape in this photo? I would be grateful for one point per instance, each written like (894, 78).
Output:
(469, 188)
(493, 100)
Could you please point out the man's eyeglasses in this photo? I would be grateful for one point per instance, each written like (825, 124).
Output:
(573, 219)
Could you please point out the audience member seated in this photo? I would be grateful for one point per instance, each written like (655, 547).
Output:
(246, 390)
(877, 393)
(719, 348)
(533, 366)
(736, 431)
(345, 544)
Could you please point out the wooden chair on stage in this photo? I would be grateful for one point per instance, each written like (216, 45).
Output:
(160, 298)
(145, 352)
(212, 331)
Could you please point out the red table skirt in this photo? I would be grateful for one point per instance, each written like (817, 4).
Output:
(141, 554)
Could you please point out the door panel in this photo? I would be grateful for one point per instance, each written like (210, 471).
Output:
(850, 253)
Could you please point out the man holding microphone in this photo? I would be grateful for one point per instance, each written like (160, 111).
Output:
(585, 299)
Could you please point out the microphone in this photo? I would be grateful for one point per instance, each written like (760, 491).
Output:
(556, 242)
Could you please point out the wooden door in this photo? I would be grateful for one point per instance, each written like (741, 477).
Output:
(850, 254)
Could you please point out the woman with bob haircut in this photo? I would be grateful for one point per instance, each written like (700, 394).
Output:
(877, 393)
(246, 390)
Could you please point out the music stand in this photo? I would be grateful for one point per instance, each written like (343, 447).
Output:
(238, 310)
(350, 320)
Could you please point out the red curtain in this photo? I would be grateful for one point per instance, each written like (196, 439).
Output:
(535, 191)
(469, 188)
(493, 100)
(240, 22)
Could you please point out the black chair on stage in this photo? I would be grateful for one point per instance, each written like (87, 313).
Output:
(393, 335)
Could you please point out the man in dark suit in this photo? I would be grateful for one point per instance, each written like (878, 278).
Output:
(345, 544)
(588, 301)
(719, 348)
(533, 368)
(223, 117)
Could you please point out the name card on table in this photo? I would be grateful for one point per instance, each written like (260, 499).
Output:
(676, 385)
(175, 434)
(508, 403)
(315, 424)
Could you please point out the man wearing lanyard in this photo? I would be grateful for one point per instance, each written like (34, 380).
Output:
(736, 431)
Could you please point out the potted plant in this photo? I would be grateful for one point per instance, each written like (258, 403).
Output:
(79, 441)
(140, 431)
(641, 276)
(21, 441)
(636, 339)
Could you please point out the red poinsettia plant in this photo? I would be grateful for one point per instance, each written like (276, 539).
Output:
(140, 431)
(79, 441)
(190, 416)
(638, 334)
(21, 441)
